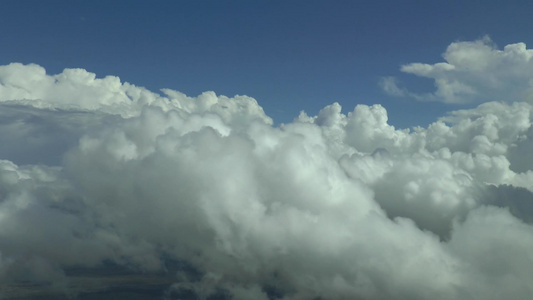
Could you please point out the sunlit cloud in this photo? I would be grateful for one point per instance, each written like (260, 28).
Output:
(98, 172)
(473, 71)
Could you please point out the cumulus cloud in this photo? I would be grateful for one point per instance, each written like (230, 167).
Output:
(205, 191)
(473, 71)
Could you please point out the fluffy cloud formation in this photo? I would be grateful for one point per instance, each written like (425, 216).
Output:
(96, 172)
(473, 72)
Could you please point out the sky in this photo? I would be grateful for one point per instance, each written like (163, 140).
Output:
(266, 150)
(289, 55)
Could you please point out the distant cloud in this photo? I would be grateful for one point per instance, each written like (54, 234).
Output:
(473, 71)
(333, 206)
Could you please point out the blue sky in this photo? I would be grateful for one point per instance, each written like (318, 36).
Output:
(289, 55)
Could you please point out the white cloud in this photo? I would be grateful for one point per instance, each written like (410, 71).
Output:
(77, 89)
(473, 71)
(337, 205)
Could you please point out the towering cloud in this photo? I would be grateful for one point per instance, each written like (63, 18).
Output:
(96, 172)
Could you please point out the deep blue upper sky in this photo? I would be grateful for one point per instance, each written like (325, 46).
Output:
(289, 55)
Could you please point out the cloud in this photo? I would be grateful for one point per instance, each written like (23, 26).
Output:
(473, 71)
(79, 90)
(205, 191)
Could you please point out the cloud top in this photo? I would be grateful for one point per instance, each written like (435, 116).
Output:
(473, 71)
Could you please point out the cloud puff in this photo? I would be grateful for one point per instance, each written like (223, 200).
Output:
(341, 206)
(473, 71)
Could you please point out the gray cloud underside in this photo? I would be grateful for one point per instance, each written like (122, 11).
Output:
(333, 206)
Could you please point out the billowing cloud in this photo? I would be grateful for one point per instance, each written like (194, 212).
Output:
(473, 71)
(204, 195)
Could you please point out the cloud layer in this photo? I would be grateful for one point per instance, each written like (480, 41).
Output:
(333, 206)
(473, 71)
